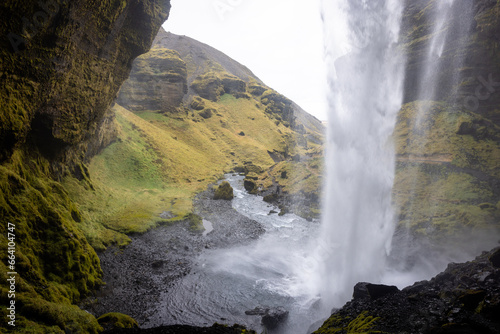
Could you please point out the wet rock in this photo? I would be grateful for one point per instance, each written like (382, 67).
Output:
(249, 185)
(495, 259)
(271, 317)
(372, 291)
(465, 298)
(274, 317)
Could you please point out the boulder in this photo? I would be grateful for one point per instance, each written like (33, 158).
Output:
(373, 291)
(272, 318)
(249, 185)
(115, 320)
(224, 192)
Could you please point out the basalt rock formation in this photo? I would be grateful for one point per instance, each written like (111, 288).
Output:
(465, 298)
(61, 65)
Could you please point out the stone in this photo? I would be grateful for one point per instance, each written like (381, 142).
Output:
(224, 192)
(274, 317)
(372, 291)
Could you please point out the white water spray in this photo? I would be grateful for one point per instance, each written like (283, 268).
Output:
(365, 80)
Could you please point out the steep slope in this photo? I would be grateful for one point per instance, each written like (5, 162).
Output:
(61, 65)
(179, 131)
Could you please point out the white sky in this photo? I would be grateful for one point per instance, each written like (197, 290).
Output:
(280, 41)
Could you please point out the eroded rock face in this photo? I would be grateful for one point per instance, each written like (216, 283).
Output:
(465, 298)
(62, 66)
(158, 81)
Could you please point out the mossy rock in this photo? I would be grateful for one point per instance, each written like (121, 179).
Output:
(209, 86)
(249, 185)
(198, 103)
(251, 168)
(195, 222)
(256, 90)
(242, 96)
(233, 85)
(224, 192)
(207, 113)
(114, 320)
(271, 198)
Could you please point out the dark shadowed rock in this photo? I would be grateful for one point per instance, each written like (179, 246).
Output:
(274, 317)
(372, 291)
(271, 317)
(465, 298)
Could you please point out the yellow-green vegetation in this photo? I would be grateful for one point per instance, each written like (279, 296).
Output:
(160, 161)
(213, 84)
(54, 263)
(57, 86)
(362, 324)
(114, 320)
(448, 165)
(224, 191)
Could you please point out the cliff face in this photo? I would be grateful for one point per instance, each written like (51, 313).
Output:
(447, 185)
(447, 142)
(61, 66)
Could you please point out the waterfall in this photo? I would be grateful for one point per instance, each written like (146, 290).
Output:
(366, 83)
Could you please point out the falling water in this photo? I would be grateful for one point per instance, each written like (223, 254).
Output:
(365, 81)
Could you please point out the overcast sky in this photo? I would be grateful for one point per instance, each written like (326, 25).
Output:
(280, 41)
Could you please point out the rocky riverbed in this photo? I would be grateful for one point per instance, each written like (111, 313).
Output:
(138, 274)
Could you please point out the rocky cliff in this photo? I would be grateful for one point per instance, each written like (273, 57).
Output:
(447, 185)
(465, 298)
(447, 141)
(61, 66)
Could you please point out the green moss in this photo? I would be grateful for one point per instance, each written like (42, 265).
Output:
(115, 320)
(224, 191)
(195, 222)
(446, 167)
(362, 324)
(55, 264)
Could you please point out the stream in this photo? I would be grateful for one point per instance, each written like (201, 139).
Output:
(226, 282)
(248, 257)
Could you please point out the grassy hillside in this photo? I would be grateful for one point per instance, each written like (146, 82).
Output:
(161, 160)
(187, 116)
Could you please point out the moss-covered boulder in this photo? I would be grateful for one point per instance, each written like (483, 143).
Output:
(279, 106)
(115, 320)
(224, 191)
(209, 86)
(233, 85)
(197, 103)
